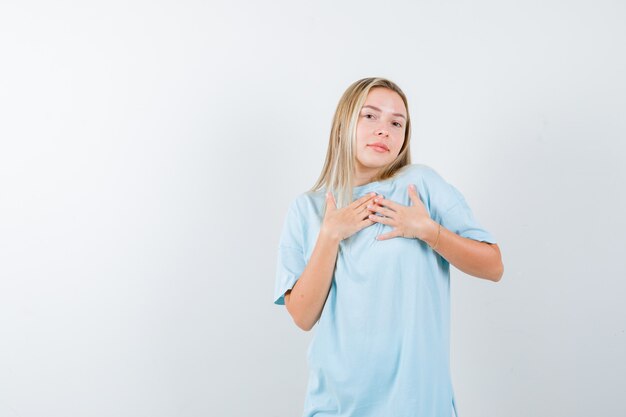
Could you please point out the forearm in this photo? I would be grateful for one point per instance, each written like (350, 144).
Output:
(308, 296)
(479, 259)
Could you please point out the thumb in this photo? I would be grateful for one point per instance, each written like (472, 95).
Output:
(330, 201)
(413, 194)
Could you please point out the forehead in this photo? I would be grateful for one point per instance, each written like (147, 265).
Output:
(386, 100)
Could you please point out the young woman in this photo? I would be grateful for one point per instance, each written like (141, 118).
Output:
(366, 253)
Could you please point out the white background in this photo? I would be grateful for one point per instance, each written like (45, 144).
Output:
(149, 150)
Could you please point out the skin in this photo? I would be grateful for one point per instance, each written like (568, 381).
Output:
(479, 259)
(378, 126)
(306, 299)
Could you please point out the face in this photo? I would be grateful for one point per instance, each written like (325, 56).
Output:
(380, 132)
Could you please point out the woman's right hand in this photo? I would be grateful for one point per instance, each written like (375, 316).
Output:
(344, 222)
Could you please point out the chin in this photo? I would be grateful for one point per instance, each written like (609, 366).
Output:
(378, 161)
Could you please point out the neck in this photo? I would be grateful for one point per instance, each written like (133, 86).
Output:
(362, 178)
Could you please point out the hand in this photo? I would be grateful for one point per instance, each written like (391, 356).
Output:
(343, 223)
(408, 221)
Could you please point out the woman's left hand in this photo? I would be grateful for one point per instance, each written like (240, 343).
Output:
(408, 221)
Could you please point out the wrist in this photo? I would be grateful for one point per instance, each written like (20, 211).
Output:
(329, 236)
(431, 233)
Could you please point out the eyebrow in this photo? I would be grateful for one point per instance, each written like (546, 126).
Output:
(379, 110)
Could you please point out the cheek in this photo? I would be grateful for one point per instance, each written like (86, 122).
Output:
(397, 146)
(360, 137)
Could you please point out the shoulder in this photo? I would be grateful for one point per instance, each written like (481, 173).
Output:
(306, 202)
(420, 173)
(432, 186)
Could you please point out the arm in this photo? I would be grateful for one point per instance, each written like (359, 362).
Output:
(306, 299)
(479, 259)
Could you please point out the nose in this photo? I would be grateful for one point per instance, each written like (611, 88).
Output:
(382, 132)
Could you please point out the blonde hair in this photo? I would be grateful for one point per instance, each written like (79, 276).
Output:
(338, 171)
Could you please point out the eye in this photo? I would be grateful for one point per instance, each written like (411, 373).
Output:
(398, 124)
(368, 114)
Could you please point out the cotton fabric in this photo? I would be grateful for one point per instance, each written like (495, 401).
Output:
(381, 345)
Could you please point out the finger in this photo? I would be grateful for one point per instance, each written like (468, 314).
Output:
(330, 201)
(365, 223)
(392, 234)
(388, 203)
(380, 219)
(363, 201)
(413, 195)
(375, 208)
(363, 214)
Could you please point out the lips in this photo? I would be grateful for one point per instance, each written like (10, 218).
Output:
(379, 146)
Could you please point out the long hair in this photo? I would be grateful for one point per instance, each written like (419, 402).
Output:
(338, 172)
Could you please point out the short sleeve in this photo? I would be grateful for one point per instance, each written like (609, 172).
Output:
(450, 208)
(460, 219)
(290, 261)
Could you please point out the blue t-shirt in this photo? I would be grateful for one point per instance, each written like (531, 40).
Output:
(382, 344)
